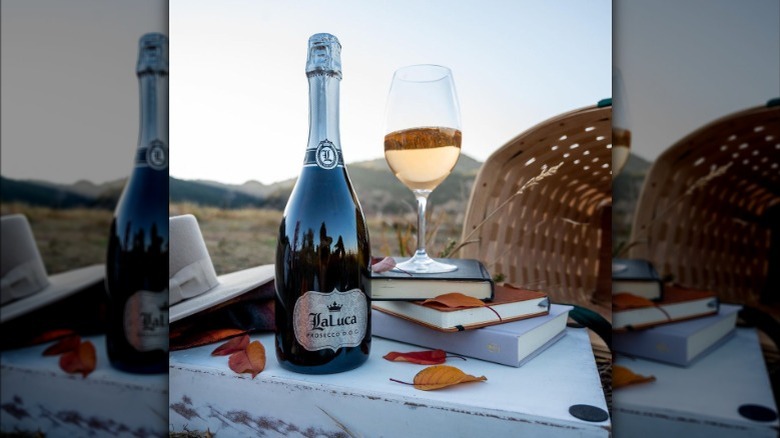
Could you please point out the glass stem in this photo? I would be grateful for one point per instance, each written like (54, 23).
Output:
(422, 202)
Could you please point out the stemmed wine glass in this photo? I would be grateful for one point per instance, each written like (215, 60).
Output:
(422, 143)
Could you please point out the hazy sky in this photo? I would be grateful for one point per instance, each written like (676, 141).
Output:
(239, 94)
(69, 94)
(687, 63)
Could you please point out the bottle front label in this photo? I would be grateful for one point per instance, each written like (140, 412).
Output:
(330, 320)
(146, 320)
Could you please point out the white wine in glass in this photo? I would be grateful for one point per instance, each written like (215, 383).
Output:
(422, 143)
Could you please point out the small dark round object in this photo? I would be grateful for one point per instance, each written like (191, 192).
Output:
(588, 413)
(757, 413)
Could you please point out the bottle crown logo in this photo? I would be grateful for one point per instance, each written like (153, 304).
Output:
(335, 307)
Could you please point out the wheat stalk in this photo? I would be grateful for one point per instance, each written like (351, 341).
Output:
(545, 173)
(698, 184)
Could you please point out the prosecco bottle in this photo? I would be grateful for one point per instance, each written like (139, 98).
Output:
(323, 313)
(137, 260)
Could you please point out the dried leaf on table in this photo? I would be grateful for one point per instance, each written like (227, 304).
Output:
(382, 265)
(441, 376)
(52, 335)
(81, 360)
(427, 357)
(622, 376)
(183, 341)
(237, 343)
(250, 360)
(625, 300)
(69, 343)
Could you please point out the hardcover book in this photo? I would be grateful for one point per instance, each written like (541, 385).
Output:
(471, 278)
(679, 343)
(637, 277)
(678, 304)
(511, 343)
(508, 304)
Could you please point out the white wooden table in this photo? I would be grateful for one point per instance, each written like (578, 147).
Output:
(532, 400)
(36, 395)
(702, 400)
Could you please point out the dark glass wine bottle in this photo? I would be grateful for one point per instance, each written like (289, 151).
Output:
(137, 260)
(323, 317)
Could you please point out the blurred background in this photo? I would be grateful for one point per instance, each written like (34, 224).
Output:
(239, 103)
(70, 118)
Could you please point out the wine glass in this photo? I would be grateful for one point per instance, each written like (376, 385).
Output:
(422, 143)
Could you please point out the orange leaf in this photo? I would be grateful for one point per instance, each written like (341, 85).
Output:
(52, 335)
(454, 300)
(81, 360)
(236, 344)
(181, 341)
(256, 353)
(441, 376)
(428, 357)
(625, 300)
(69, 343)
(622, 376)
(250, 360)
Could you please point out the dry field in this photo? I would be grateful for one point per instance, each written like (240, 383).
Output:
(239, 239)
(66, 239)
(236, 239)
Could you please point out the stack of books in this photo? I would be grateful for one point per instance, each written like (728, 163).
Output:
(665, 322)
(512, 327)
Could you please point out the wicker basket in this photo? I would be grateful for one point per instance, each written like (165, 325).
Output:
(715, 236)
(555, 236)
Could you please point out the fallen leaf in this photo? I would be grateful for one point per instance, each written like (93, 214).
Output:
(235, 344)
(80, 360)
(250, 360)
(622, 376)
(179, 341)
(625, 300)
(457, 300)
(427, 357)
(52, 335)
(441, 376)
(69, 343)
(454, 300)
(256, 353)
(382, 265)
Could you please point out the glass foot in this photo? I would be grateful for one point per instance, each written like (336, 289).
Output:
(420, 263)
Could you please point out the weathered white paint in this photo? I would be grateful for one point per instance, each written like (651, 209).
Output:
(532, 400)
(701, 400)
(36, 395)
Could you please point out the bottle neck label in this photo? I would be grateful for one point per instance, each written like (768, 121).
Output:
(330, 320)
(146, 320)
(326, 156)
(155, 155)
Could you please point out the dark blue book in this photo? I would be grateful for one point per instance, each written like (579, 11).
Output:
(637, 277)
(471, 278)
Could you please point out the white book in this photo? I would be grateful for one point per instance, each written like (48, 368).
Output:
(511, 343)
